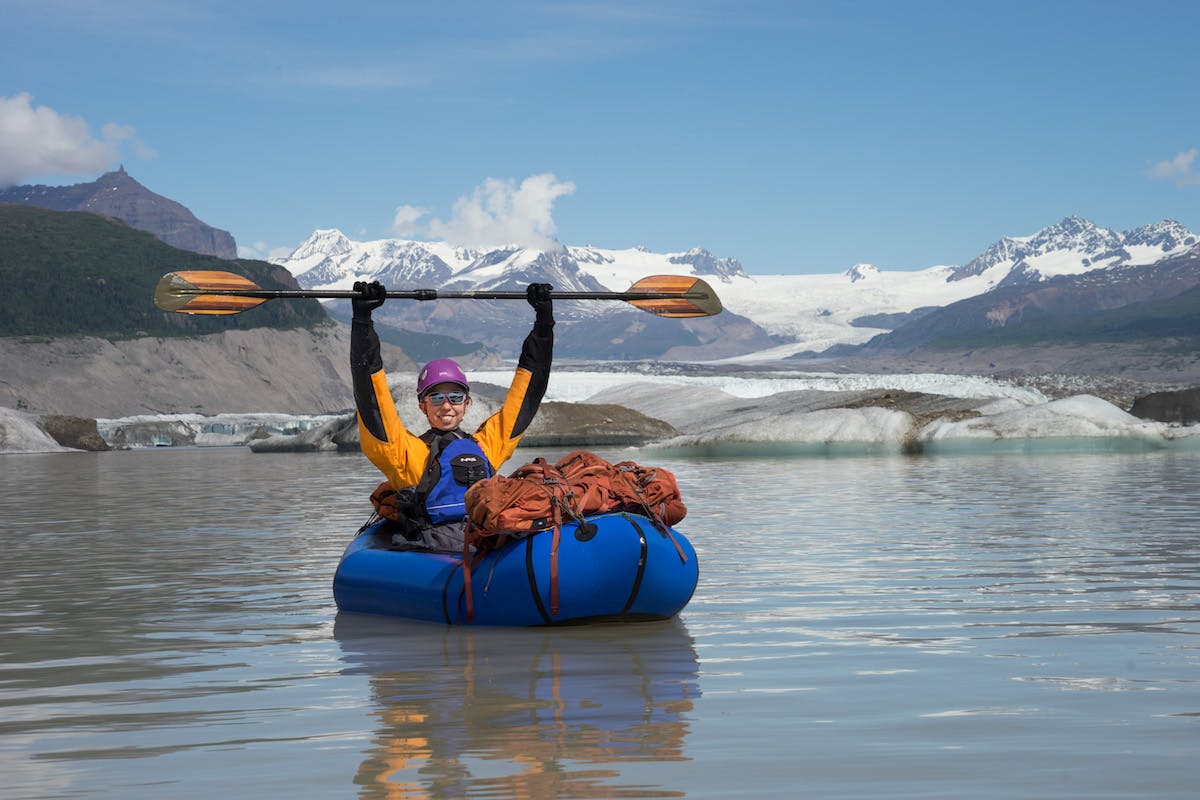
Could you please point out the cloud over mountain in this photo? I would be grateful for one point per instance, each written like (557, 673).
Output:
(37, 140)
(1179, 169)
(497, 213)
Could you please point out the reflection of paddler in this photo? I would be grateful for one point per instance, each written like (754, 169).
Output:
(537, 701)
(401, 755)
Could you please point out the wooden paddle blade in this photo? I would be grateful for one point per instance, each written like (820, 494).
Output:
(184, 292)
(695, 297)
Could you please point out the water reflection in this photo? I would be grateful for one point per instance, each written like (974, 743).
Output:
(529, 713)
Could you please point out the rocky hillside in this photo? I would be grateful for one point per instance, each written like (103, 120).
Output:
(80, 335)
(117, 195)
(298, 371)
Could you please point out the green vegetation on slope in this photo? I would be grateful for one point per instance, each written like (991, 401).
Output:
(67, 273)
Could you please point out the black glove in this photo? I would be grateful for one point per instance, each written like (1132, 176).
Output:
(371, 296)
(538, 295)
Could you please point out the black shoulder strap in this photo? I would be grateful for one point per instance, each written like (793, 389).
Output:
(433, 435)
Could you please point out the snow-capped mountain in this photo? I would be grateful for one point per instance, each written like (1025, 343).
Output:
(1074, 246)
(821, 311)
(800, 312)
(1159, 301)
(329, 260)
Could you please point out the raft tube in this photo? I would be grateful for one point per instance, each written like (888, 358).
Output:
(612, 567)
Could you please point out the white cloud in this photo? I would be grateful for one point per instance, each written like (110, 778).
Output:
(500, 212)
(121, 134)
(405, 220)
(1179, 169)
(37, 140)
(261, 251)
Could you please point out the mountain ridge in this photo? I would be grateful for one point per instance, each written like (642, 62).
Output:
(1100, 248)
(768, 317)
(71, 347)
(118, 195)
(784, 314)
(1017, 312)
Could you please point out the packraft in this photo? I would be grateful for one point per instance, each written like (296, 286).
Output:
(550, 543)
(612, 568)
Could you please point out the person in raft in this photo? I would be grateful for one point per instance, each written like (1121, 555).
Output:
(432, 471)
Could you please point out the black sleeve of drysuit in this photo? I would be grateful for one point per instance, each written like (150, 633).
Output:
(365, 361)
(536, 354)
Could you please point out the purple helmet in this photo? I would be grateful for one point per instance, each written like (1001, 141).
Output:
(440, 370)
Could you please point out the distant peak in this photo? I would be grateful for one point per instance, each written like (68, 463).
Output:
(326, 235)
(327, 241)
(117, 177)
(1165, 234)
(1077, 240)
(861, 272)
(703, 263)
(1074, 223)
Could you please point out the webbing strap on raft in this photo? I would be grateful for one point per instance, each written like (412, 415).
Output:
(656, 517)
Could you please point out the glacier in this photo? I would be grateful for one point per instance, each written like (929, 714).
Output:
(776, 414)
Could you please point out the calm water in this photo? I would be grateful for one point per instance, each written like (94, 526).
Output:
(996, 626)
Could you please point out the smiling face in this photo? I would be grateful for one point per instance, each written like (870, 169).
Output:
(444, 416)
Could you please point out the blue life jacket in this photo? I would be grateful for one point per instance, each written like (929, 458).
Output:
(454, 464)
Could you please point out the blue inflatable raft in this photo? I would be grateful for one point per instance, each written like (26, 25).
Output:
(612, 567)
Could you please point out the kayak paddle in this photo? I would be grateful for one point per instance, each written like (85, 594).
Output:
(215, 292)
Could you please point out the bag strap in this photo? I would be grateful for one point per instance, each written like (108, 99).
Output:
(639, 495)
(554, 541)
(470, 561)
(559, 493)
(656, 517)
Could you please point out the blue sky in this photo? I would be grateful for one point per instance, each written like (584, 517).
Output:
(795, 136)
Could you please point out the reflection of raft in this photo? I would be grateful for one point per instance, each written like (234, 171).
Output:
(615, 567)
(565, 711)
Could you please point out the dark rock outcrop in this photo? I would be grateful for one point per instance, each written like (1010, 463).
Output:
(79, 433)
(1181, 406)
(593, 425)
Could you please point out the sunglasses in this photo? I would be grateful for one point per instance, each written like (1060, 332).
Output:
(455, 398)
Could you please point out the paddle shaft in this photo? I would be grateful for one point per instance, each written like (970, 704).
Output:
(435, 294)
(217, 292)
